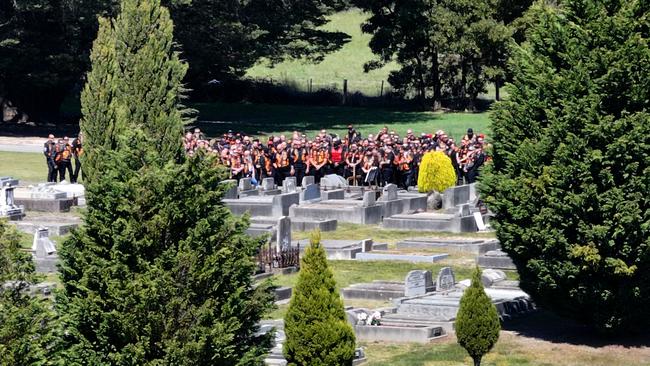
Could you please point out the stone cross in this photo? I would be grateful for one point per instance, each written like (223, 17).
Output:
(445, 280)
(416, 283)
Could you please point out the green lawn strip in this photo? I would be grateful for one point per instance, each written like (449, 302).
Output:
(28, 167)
(267, 119)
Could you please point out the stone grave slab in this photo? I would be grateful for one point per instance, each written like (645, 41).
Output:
(474, 246)
(311, 192)
(495, 259)
(412, 258)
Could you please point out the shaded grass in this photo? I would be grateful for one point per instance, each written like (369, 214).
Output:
(28, 167)
(267, 119)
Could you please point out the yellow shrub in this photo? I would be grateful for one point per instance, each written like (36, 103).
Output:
(436, 172)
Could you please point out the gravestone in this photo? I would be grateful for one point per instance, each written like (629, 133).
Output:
(307, 180)
(268, 184)
(245, 184)
(231, 193)
(47, 191)
(369, 199)
(42, 246)
(491, 276)
(333, 181)
(283, 237)
(389, 193)
(311, 192)
(8, 207)
(416, 283)
(366, 245)
(479, 221)
(463, 210)
(445, 280)
(289, 185)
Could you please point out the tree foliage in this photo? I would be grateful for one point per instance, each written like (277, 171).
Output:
(477, 322)
(317, 330)
(25, 321)
(436, 172)
(445, 48)
(161, 271)
(570, 177)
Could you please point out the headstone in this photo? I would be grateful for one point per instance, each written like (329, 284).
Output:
(463, 210)
(333, 181)
(231, 193)
(47, 191)
(245, 184)
(479, 221)
(445, 280)
(311, 192)
(42, 245)
(389, 193)
(268, 184)
(289, 185)
(283, 238)
(491, 276)
(416, 283)
(369, 199)
(8, 182)
(307, 180)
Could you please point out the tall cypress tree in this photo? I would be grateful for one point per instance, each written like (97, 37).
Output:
(318, 333)
(570, 176)
(161, 271)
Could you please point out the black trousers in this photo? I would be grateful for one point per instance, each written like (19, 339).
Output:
(387, 175)
(338, 170)
(63, 166)
(299, 173)
(77, 169)
(280, 174)
(51, 170)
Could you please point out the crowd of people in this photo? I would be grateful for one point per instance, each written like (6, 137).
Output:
(59, 155)
(373, 160)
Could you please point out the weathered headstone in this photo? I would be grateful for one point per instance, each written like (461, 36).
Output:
(445, 280)
(463, 210)
(307, 180)
(268, 184)
(289, 185)
(42, 246)
(366, 245)
(283, 237)
(389, 193)
(231, 193)
(479, 221)
(491, 276)
(311, 192)
(245, 184)
(333, 181)
(416, 283)
(369, 199)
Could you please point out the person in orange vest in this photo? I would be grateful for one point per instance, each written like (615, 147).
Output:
(77, 151)
(317, 161)
(62, 158)
(281, 164)
(299, 161)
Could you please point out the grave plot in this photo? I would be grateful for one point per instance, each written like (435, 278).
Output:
(366, 211)
(473, 246)
(344, 249)
(8, 207)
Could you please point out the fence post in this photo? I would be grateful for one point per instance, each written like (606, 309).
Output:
(345, 91)
(311, 85)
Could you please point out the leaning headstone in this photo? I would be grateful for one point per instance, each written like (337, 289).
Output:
(231, 193)
(283, 238)
(479, 221)
(445, 280)
(491, 276)
(369, 199)
(42, 246)
(289, 185)
(389, 193)
(245, 184)
(311, 192)
(307, 180)
(416, 283)
(268, 184)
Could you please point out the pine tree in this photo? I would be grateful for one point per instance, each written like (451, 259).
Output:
(317, 331)
(25, 321)
(570, 179)
(160, 273)
(477, 322)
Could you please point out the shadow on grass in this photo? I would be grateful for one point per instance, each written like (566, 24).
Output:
(549, 327)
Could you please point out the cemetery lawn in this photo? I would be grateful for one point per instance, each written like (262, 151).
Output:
(28, 167)
(266, 119)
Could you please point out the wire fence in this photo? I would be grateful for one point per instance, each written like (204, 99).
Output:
(372, 88)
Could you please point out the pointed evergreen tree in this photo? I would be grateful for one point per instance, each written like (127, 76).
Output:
(25, 321)
(316, 327)
(570, 179)
(477, 322)
(160, 273)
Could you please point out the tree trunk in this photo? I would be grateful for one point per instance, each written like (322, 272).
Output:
(437, 94)
(497, 95)
(477, 361)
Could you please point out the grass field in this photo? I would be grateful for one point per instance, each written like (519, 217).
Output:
(266, 119)
(28, 167)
